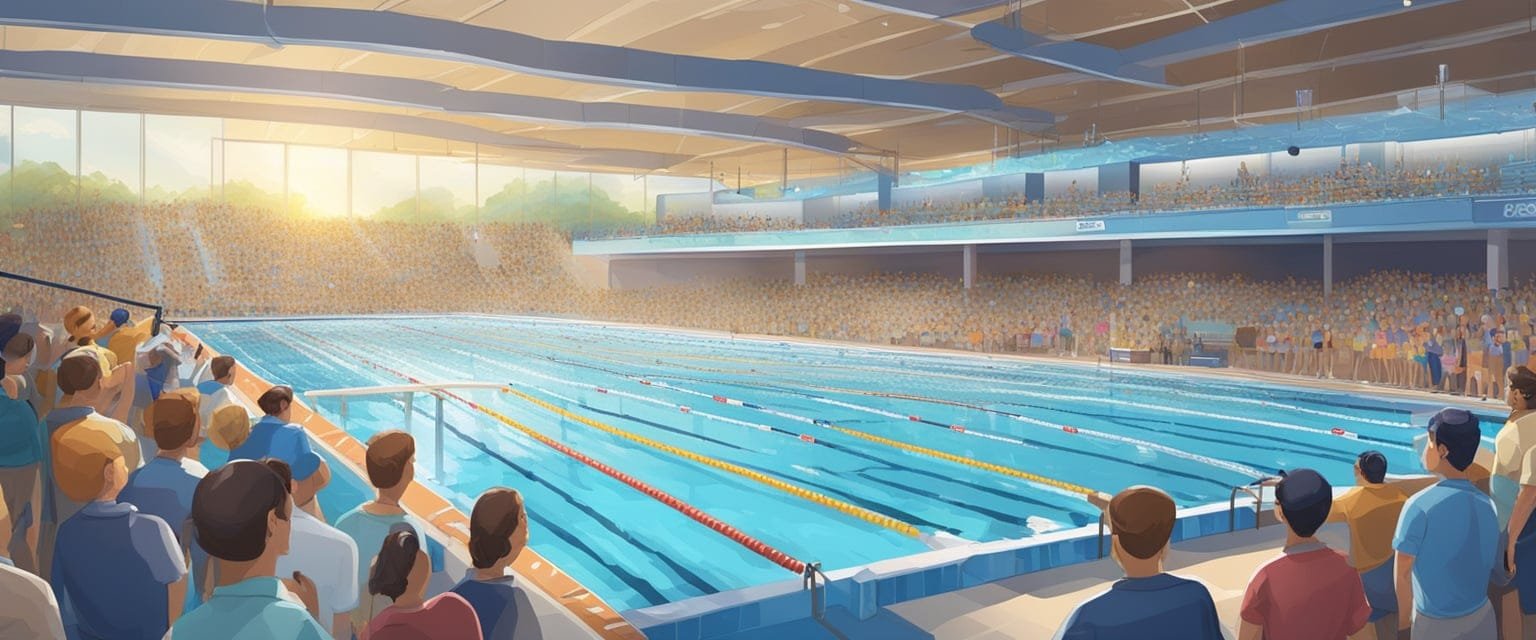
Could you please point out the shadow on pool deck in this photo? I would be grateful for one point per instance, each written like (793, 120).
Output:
(1035, 605)
(884, 626)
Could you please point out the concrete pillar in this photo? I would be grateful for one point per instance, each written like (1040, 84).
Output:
(970, 265)
(799, 268)
(1120, 177)
(1125, 262)
(883, 194)
(1327, 266)
(1034, 187)
(1498, 259)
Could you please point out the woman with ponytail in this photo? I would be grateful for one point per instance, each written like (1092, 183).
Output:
(401, 573)
(498, 533)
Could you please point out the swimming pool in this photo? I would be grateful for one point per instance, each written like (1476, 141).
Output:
(830, 454)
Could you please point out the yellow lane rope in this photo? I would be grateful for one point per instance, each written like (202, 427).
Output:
(826, 501)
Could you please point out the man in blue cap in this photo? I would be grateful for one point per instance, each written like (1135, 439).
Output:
(1447, 540)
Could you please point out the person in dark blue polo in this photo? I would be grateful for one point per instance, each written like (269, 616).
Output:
(164, 486)
(119, 571)
(1147, 604)
(274, 436)
(498, 533)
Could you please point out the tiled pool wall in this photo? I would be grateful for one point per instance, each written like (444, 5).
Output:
(863, 591)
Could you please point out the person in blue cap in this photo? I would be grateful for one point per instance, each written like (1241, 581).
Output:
(1447, 540)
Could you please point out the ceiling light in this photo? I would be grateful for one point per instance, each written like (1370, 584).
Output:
(772, 25)
(885, 23)
(1407, 3)
(843, 8)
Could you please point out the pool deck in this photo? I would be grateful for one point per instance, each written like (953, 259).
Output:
(1035, 605)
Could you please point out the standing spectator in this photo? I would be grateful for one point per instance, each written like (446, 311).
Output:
(1513, 487)
(1447, 540)
(498, 533)
(165, 485)
(80, 381)
(241, 515)
(28, 608)
(1310, 592)
(323, 552)
(391, 466)
(120, 571)
(401, 574)
(1148, 603)
(1371, 510)
(21, 447)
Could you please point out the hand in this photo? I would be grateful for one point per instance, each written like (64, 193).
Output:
(304, 588)
(1509, 559)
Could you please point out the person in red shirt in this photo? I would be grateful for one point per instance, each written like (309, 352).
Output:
(1310, 592)
(401, 572)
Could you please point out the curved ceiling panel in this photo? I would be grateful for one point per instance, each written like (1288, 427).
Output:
(1144, 64)
(59, 65)
(426, 37)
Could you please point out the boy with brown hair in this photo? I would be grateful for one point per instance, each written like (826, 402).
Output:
(1147, 604)
(391, 464)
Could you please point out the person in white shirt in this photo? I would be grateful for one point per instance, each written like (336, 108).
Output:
(28, 609)
(322, 552)
(218, 391)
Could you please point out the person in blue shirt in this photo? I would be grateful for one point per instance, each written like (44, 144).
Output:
(498, 533)
(1447, 540)
(275, 435)
(119, 571)
(242, 516)
(1147, 604)
(21, 446)
(164, 486)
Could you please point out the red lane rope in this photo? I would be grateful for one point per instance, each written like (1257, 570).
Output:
(759, 547)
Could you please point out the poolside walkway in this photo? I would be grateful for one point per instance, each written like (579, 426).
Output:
(1035, 605)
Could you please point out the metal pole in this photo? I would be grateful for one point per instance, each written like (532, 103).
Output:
(410, 408)
(439, 452)
(343, 412)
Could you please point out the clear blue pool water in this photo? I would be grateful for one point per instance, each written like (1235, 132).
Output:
(1193, 436)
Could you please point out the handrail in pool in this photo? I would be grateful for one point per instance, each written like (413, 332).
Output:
(759, 547)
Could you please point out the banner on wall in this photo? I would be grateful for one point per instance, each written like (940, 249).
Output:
(1510, 210)
(1309, 217)
(1089, 225)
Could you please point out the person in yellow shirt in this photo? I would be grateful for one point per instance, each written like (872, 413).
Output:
(1512, 485)
(1371, 510)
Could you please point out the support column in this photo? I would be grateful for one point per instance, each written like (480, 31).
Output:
(1125, 262)
(1498, 259)
(1327, 266)
(799, 268)
(883, 191)
(1034, 187)
(970, 265)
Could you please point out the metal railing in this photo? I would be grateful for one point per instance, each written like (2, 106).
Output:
(407, 394)
(1255, 492)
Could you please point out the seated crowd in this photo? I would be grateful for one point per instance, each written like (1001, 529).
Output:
(112, 526)
(1351, 182)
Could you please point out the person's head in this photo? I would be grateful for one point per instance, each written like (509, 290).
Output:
(391, 462)
(173, 421)
(119, 317)
(80, 324)
(1371, 468)
(1522, 388)
(229, 427)
(241, 511)
(223, 369)
(88, 465)
(498, 528)
(80, 375)
(1454, 436)
(402, 567)
(15, 346)
(1303, 499)
(277, 402)
(1141, 522)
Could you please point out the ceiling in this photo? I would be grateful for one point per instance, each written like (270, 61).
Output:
(686, 86)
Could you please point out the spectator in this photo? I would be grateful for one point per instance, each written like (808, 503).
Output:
(1310, 592)
(81, 326)
(217, 392)
(164, 486)
(120, 571)
(241, 517)
(1513, 487)
(230, 427)
(498, 532)
(1447, 540)
(21, 448)
(401, 574)
(1371, 510)
(391, 467)
(275, 435)
(28, 608)
(1147, 603)
(326, 555)
(81, 383)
